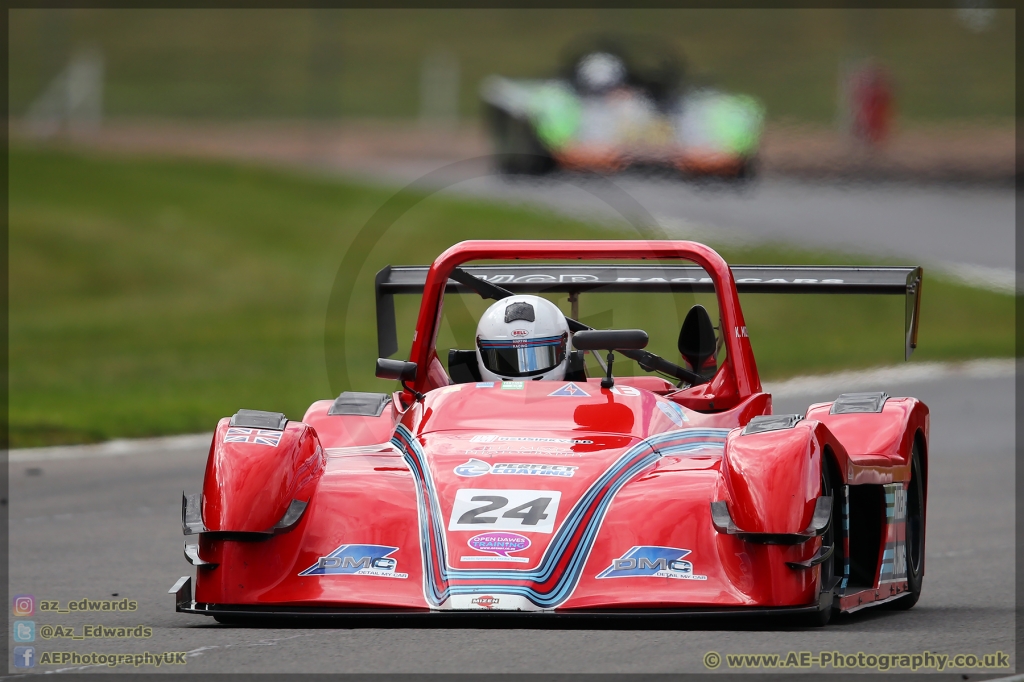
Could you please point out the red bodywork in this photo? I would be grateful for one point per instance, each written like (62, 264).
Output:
(536, 496)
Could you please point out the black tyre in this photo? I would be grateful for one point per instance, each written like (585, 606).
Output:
(830, 538)
(516, 147)
(747, 172)
(914, 534)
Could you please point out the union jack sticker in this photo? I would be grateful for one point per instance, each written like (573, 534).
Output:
(236, 434)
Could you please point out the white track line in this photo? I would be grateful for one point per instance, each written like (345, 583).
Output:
(998, 280)
(112, 448)
(879, 378)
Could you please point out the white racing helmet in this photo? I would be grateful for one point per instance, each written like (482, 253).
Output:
(600, 71)
(522, 337)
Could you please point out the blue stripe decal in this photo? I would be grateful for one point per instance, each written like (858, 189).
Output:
(520, 343)
(636, 459)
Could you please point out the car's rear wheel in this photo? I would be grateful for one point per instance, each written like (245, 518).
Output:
(914, 534)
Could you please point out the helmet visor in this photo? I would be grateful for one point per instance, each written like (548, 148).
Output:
(522, 358)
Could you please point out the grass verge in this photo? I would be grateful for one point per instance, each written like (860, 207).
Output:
(152, 297)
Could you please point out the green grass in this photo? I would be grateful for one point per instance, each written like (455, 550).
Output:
(152, 297)
(320, 63)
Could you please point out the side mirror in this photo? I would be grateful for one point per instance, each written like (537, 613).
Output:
(610, 339)
(396, 369)
(697, 342)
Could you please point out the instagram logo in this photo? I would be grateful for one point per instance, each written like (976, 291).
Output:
(24, 605)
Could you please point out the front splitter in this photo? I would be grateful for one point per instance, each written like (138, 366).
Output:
(239, 612)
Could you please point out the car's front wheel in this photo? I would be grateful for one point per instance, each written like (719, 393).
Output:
(832, 566)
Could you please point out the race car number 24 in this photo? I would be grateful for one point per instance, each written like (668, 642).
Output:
(523, 510)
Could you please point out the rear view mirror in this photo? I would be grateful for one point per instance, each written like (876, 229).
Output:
(697, 343)
(610, 339)
(396, 369)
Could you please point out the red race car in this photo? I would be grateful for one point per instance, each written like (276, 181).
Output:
(578, 496)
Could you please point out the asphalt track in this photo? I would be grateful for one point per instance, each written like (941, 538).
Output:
(967, 232)
(103, 526)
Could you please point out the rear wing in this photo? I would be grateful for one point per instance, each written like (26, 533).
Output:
(575, 279)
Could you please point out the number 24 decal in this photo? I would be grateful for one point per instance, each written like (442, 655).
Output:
(529, 510)
(530, 513)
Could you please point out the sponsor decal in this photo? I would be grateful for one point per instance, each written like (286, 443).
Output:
(518, 510)
(702, 280)
(476, 467)
(625, 390)
(538, 278)
(516, 333)
(894, 554)
(512, 385)
(571, 390)
(486, 601)
(517, 469)
(372, 560)
(780, 280)
(490, 450)
(491, 438)
(483, 438)
(485, 384)
(236, 434)
(551, 581)
(541, 278)
(473, 467)
(451, 389)
(498, 544)
(745, 280)
(652, 562)
(673, 412)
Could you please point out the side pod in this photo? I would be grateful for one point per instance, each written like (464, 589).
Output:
(877, 433)
(772, 472)
(255, 487)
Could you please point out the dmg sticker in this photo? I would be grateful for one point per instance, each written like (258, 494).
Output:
(499, 544)
(372, 560)
(652, 562)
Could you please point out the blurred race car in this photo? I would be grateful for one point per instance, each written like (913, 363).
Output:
(674, 495)
(621, 103)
